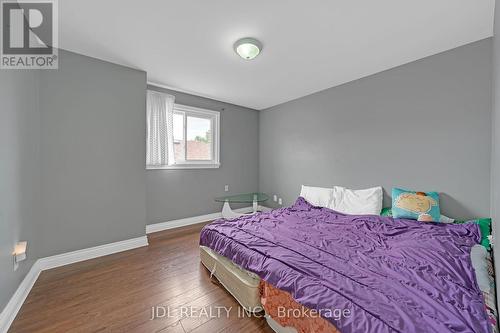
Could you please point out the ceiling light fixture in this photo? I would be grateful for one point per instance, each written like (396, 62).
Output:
(248, 48)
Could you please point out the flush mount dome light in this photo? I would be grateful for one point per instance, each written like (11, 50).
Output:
(248, 48)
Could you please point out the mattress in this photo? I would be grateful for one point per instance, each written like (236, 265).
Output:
(242, 284)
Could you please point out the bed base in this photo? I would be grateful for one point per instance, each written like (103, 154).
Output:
(243, 285)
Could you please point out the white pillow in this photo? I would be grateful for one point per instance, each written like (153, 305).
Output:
(478, 255)
(357, 202)
(446, 219)
(317, 196)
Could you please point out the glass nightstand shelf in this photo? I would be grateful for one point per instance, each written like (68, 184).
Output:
(254, 198)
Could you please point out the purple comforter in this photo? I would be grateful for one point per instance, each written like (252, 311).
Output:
(393, 275)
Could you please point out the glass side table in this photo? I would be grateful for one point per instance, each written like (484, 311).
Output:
(253, 198)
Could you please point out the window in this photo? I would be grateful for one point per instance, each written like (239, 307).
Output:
(179, 136)
(196, 137)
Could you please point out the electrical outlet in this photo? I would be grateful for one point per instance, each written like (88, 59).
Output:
(226, 188)
(275, 198)
(280, 201)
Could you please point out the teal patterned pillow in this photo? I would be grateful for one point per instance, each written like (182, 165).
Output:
(421, 206)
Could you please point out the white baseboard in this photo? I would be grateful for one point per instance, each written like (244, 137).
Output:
(172, 224)
(16, 301)
(91, 253)
(10, 311)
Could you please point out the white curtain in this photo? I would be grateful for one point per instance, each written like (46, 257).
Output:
(160, 129)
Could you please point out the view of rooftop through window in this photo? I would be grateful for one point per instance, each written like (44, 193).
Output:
(198, 143)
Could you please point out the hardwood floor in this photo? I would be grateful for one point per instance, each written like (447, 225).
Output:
(116, 293)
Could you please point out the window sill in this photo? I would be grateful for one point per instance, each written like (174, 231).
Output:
(184, 166)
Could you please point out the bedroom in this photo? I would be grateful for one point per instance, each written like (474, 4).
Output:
(337, 162)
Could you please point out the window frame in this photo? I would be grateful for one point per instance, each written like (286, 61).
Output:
(212, 115)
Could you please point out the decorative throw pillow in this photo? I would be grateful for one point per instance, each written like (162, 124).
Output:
(421, 206)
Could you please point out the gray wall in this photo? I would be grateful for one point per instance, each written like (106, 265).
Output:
(93, 151)
(425, 125)
(175, 194)
(72, 175)
(495, 156)
(19, 170)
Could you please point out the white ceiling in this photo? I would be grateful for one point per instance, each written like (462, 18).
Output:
(309, 45)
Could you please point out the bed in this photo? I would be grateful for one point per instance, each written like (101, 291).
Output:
(360, 273)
